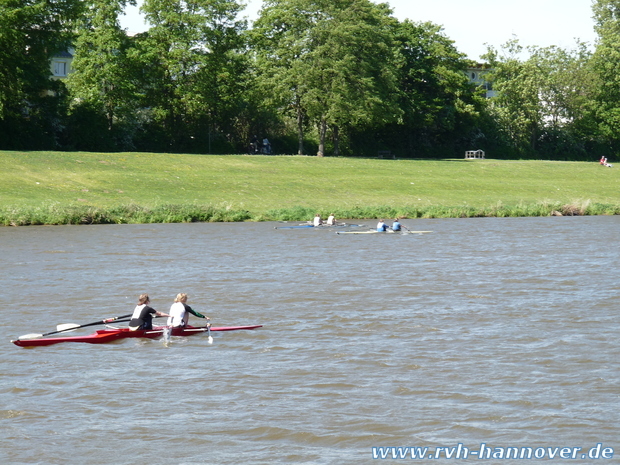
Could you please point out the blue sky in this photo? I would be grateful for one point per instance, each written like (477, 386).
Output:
(471, 24)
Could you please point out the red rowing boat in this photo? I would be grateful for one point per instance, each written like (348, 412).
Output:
(108, 335)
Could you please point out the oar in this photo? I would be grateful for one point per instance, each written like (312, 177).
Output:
(68, 327)
(210, 340)
(71, 326)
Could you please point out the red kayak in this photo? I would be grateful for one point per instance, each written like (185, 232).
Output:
(108, 335)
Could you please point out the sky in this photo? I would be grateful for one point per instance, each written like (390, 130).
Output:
(475, 23)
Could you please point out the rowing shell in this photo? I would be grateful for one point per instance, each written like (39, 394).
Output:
(383, 232)
(304, 226)
(301, 226)
(103, 336)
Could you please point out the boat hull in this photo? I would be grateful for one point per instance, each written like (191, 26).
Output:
(322, 226)
(103, 336)
(389, 231)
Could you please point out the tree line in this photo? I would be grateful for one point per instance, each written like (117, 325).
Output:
(324, 77)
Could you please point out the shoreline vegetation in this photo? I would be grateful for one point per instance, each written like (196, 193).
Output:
(60, 188)
(135, 214)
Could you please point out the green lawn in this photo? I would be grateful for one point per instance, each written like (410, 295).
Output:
(264, 185)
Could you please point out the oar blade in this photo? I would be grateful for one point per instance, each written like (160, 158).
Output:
(29, 336)
(210, 338)
(67, 327)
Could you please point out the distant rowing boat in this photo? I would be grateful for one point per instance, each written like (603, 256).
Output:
(304, 226)
(103, 336)
(383, 232)
(299, 226)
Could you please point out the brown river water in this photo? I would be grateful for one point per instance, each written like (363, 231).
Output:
(492, 333)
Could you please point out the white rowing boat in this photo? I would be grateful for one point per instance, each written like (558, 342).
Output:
(383, 232)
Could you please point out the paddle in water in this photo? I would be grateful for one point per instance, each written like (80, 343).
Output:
(210, 340)
(71, 326)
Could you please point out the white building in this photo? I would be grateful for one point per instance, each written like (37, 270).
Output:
(60, 64)
(476, 75)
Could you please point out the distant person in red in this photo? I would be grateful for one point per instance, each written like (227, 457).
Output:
(142, 317)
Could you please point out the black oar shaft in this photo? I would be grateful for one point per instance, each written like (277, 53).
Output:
(100, 322)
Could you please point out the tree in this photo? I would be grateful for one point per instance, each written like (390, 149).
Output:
(224, 80)
(191, 64)
(31, 32)
(433, 92)
(541, 101)
(517, 106)
(328, 61)
(566, 93)
(280, 37)
(102, 80)
(606, 65)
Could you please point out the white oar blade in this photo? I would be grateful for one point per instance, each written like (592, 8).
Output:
(166, 334)
(67, 327)
(210, 339)
(29, 336)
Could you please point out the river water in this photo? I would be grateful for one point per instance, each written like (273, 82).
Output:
(494, 331)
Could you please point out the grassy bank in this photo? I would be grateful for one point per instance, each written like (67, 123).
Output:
(79, 187)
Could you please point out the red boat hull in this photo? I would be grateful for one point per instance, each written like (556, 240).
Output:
(108, 335)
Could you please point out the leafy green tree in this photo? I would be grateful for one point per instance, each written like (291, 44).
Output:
(606, 65)
(280, 37)
(329, 62)
(351, 80)
(31, 32)
(566, 91)
(224, 81)
(517, 105)
(192, 66)
(542, 102)
(103, 80)
(437, 102)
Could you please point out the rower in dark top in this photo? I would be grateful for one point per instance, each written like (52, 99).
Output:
(142, 317)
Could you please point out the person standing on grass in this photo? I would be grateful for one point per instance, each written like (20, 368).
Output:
(142, 317)
(179, 312)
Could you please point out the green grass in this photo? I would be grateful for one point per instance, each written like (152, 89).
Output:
(80, 187)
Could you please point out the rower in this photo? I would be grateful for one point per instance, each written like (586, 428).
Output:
(142, 317)
(179, 312)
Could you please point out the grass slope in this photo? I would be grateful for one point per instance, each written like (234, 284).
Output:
(79, 187)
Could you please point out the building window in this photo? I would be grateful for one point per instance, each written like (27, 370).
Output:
(60, 68)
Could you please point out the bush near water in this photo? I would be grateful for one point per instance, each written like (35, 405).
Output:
(52, 188)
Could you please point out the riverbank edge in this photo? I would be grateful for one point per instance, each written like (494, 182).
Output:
(57, 214)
